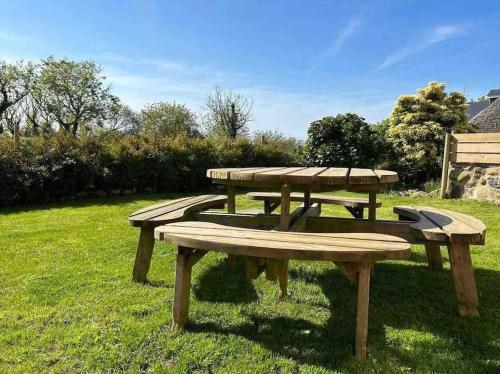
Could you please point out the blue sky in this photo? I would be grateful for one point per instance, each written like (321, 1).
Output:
(298, 60)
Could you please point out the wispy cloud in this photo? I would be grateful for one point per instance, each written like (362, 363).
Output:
(351, 27)
(8, 36)
(437, 35)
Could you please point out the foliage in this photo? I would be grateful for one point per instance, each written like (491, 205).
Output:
(165, 119)
(417, 127)
(62, 166)
(73, 93)
(68, 305)
(227, 114)
(344, 140)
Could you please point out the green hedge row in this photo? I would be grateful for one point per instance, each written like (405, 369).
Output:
(64, 167)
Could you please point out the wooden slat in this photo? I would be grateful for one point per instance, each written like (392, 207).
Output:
(248, 174)
(334, 247)
(457, 226)
(305, 176)
(333, 176)
(159, 205)
(422, 225)
(477, 138)
(169, 207)
(275, 175)
(362, 176)
(478, 158)
(386, 176)
(475, 147)
(354, 202)
(221, 173)
(184, 212)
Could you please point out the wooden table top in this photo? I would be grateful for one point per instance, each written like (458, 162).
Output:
(314, 177)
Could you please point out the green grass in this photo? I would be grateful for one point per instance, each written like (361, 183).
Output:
(67, 303)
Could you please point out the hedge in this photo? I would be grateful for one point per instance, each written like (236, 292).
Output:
(64, 167)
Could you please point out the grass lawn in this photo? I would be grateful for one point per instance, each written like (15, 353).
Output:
(67, 303)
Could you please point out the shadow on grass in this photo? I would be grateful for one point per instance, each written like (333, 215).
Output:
(406, 297)
(225, 284)
(119, 200)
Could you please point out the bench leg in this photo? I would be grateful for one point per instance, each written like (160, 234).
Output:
(363, 297)
(434, 258)
(182, 289)
(143, 255)
(283, 279)
(231, 209)
(463, 278)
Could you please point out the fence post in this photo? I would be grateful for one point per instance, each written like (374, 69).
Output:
(446, 164)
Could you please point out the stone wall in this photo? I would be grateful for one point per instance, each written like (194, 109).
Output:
(477, 182)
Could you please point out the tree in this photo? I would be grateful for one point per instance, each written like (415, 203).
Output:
(227, 114)
(482, 99)
(344, 140)
(73, 93)
(123, 119)
(417, 127)
(167, 119)
(14, 83)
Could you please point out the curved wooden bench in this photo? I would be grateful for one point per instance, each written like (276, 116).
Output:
(354, 205)
(357, 250)
(457, 231)
(159, 214)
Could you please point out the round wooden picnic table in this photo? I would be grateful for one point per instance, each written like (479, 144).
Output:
(306, 179)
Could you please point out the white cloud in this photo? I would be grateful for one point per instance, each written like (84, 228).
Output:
(437, 35)
(352, 26)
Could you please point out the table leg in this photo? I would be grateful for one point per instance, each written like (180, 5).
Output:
(285, 208)
(372, 205)
(363, 299)
(307, 198)
(231, 209)
(283, 279)
(434, 258)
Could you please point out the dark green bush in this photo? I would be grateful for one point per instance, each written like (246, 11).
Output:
(63, 166)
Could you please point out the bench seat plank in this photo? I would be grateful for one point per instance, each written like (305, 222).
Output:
(443, 225)
(284, 245)
(170, 211)
(354, 202)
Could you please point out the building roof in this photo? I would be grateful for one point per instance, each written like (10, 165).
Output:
(474, 108)
(488, 120)
(494, 93)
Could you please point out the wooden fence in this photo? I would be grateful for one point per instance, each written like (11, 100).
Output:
(481, 148)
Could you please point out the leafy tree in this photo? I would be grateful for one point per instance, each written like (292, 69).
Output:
(344, 140)
(73, 93)
(123, 119)
(167, 119)
(417, 128)
(227, 114)
(14, 83)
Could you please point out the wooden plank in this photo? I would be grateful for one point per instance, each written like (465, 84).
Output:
(354, 202)
(182, 289)
(476, 147)
(434, 258)
(372, 207)
(249, 174)
(159, 205)
(400, 229)
(386, 176)
(458, 226)
(285, 208)
(143, 255)
(362, 176)
(446, 165)
(249, 221)
(148, 215)
(275, 176)
(221, 173)
(422, 225)
(279, 245)
(333, 176)
(304, 176)
(477, 137)
(175, 214)
(475, 158)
